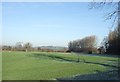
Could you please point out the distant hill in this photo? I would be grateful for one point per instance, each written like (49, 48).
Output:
(53, 47)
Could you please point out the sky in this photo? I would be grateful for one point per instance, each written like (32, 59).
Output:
(51, 23)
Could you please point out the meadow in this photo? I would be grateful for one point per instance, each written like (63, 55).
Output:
(52, 65)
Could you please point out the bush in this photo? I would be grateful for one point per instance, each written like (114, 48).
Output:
(90, 52)
(68, 51)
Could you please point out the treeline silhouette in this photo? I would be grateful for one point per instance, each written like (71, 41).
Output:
(87, 44)
(19, 46)
(111, 43)
(26, 47)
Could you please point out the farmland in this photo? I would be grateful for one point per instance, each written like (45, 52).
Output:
(52, 65)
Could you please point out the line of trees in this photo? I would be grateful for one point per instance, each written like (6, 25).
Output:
(111, 43)
(19, 46)
(87, 44)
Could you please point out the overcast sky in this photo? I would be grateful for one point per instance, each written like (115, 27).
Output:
(52, 24)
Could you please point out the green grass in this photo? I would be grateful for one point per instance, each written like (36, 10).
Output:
(50, 65)
(0, 66)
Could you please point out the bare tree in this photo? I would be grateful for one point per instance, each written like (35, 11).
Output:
(113, 14)
(19, 46)
(83, 45)
(27, 46)
(112, 42)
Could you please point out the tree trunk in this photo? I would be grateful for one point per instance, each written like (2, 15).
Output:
(78, 58)
(26, 50)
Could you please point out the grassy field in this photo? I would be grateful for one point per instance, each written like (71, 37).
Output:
(51, 65)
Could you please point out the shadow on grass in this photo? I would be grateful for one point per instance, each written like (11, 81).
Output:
(113, 60)
(107, 75)
(53, 57)
(114, 66)
(63, 59)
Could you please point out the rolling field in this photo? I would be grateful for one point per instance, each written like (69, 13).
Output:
(51, 65)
